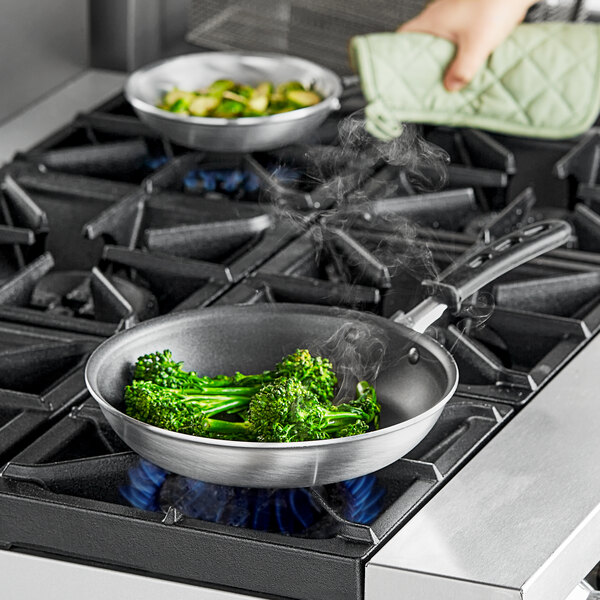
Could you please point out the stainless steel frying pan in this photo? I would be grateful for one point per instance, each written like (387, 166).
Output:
(416, 378)
(146, 87)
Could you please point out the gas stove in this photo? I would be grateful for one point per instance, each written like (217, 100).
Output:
(104, 225)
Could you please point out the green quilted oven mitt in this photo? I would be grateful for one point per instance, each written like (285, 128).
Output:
(542, 81)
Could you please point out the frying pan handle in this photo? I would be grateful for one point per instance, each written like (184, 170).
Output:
(481, 265)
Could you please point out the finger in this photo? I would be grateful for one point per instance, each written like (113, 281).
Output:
(468, 60)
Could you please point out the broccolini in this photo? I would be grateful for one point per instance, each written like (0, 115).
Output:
(292, 402)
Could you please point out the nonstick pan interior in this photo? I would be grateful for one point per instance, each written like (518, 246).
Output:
(411, 372)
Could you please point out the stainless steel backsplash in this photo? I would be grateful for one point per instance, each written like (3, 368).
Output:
(315, 29)
(318, 29)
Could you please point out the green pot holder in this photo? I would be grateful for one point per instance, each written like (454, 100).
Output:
(542, 81)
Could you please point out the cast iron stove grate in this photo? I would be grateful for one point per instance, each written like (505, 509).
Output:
(41, 377)
(508, 340)
(152, 251)
(193, 229)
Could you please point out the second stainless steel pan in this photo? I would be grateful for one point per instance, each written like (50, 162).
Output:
(146, 87)
(416, 377)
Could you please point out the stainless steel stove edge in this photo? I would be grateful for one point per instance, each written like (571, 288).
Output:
(522, 519)
(63, 580)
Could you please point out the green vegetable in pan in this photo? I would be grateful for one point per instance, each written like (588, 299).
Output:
(315, 372)
(286, 411)
(227, 99)
(290, 403)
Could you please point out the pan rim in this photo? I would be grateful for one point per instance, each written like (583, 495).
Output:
(91, 374)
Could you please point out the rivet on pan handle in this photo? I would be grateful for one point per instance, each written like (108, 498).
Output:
(481, 265)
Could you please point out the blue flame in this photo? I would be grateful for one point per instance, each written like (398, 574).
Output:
(145, 482)
(363, 499)
(287, 511)
(223, 180)
(154, 162)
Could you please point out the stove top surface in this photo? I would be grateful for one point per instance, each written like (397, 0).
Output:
(104, 225)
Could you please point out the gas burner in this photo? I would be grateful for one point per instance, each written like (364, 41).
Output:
(232, 182)
(291, 512)
(67, 299)
(81, 294)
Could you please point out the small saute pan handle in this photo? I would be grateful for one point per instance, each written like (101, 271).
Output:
(481, 265)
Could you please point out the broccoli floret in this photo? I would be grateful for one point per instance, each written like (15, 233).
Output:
(315, 372)
(287, 411)
(365, 402)
(270, 410)
(182, 410)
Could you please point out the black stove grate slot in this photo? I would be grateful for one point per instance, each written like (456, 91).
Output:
(33, 361)
(86, 441)
(464, 427)
(587, 228)
(450, 209)
(169, 280)
(97, 478)
(33, 369)
(103, 154)
(582, 161)
(563, 295)
(41, 377)
(213, 241)
(103, 128)
(478, 365)
(57, 218)
(309, 270)
(528, 337)
(296, 288)
(83, 433)
(477, 160)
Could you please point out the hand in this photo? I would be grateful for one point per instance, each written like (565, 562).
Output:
(475, 26)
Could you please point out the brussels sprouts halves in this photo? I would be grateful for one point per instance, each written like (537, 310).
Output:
(227, 99)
